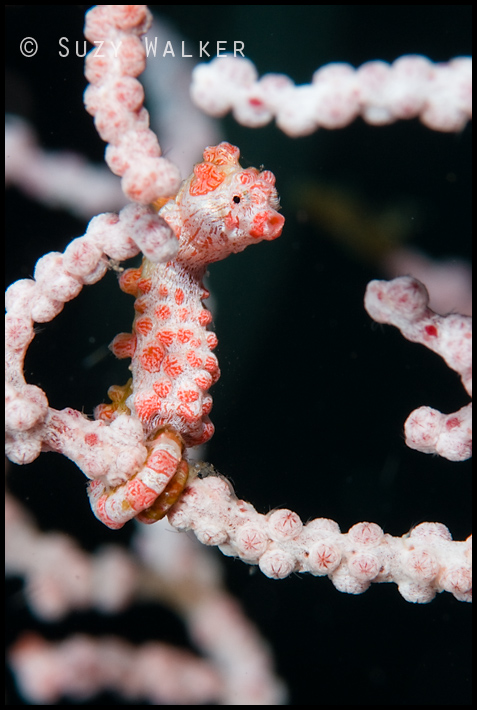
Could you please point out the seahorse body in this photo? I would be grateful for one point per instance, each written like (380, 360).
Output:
(219, 210)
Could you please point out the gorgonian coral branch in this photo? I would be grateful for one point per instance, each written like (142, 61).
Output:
(412, 86)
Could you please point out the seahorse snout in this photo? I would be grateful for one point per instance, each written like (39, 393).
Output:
(267, 225)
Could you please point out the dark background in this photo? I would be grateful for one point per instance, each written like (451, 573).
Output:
(311, 403)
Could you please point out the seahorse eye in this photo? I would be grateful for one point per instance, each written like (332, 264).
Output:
(236, 199)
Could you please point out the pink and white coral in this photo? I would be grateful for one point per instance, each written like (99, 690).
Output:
(324, 557)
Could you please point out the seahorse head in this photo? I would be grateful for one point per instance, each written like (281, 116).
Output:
(222, 208)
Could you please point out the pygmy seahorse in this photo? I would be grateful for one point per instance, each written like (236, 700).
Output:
(220, 209)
